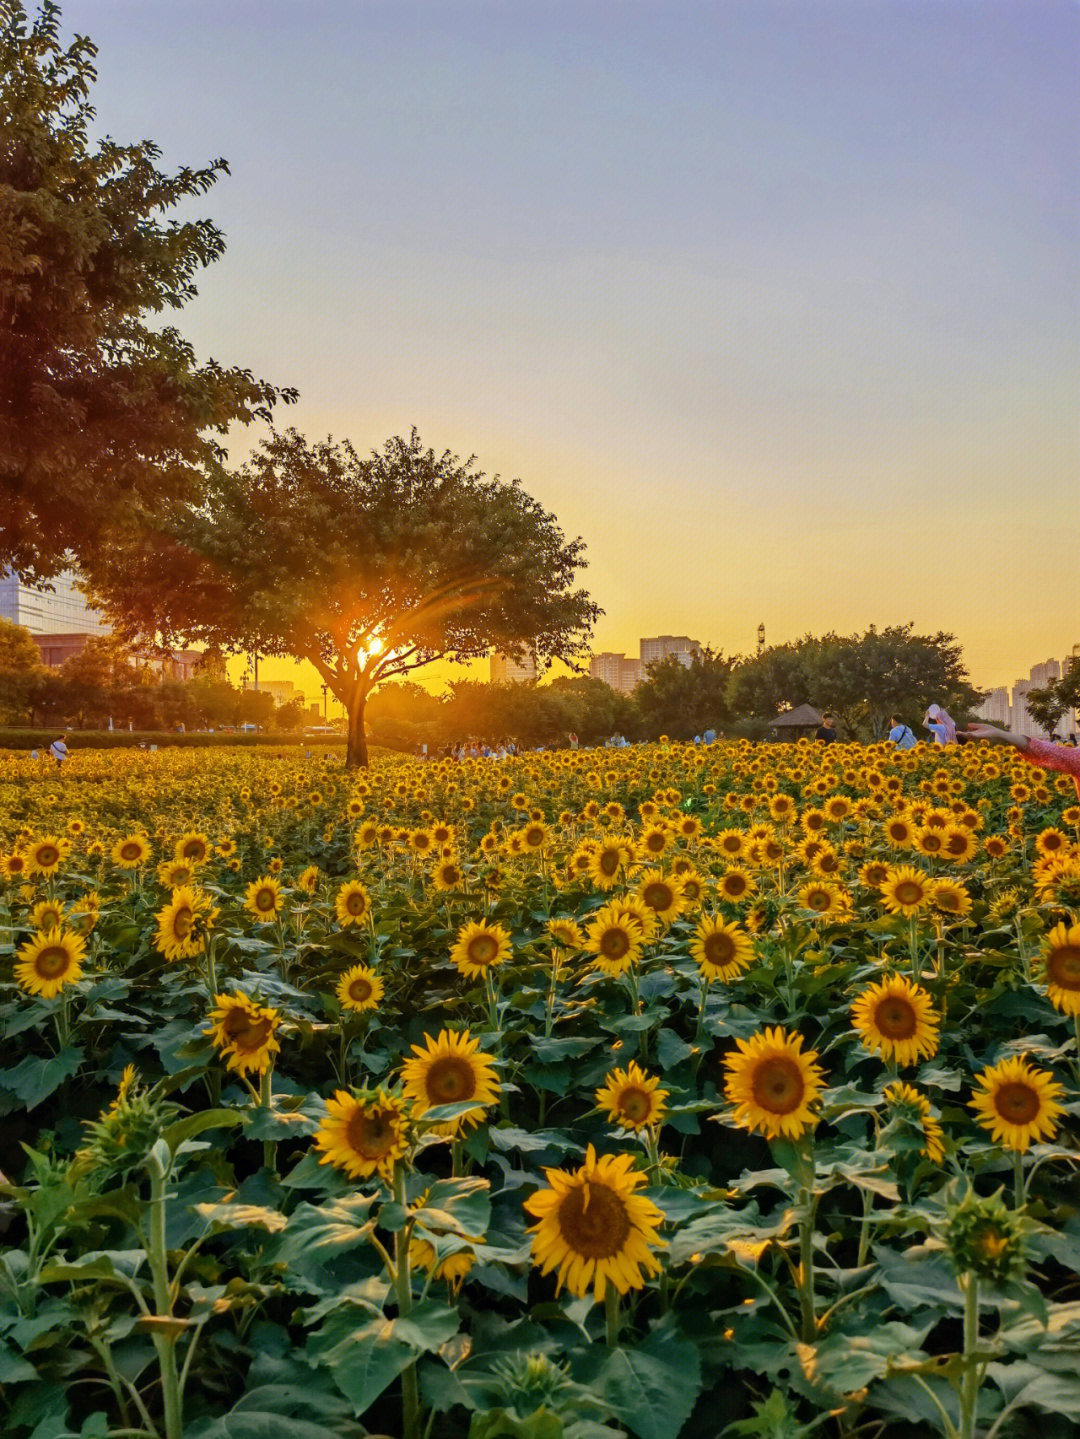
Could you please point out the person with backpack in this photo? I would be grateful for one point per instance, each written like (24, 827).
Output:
(900, 734)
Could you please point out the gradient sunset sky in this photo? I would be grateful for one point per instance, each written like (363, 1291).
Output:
(776, 305)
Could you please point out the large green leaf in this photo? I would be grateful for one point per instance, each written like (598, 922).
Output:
(364, 1357)
(652, 1388)
(456, 1206)
(316, 1235)
(34, 1079)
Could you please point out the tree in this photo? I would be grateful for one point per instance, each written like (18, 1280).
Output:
(680, 700)
(289, 717)
(862, 679)
(21, 671)
(1046, 706)
(368, 569)
(102, 682)
(104, 418)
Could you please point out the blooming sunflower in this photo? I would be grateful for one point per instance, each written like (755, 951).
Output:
(721, 950)
(450, 1070)
(308, 880)
(353, 903)
(448, 876)
(173, 873)
(360, 988)
(131, 851)
(899, 831)
(662, 894)
(566, 932)
(896, 1019)
(773, 1084)
(631, 1099)
(183, 922)
(593, 1229)
(49, 962)
(363, 1134)
(1061, 956)
(244, 1033)
(49, 914)
(654, 840)
(825, 898)
(951, 898)
(43, 856)
(905, 890)
(479, 948)
(1017, 1103)
(735, 883)
(959, 845)
(607, 860)
(614, 940)
(262, 898)
(192, 846)
(916, 1107)
(452, 1270)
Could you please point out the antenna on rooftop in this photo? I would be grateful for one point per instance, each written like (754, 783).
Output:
(760, 638)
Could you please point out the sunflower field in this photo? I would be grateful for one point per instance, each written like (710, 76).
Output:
(670, 1091)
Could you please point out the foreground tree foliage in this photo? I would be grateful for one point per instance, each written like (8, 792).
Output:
(105, 414)
(368, 569)
(680, 700)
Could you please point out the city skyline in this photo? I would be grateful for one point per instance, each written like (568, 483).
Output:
(775, 305)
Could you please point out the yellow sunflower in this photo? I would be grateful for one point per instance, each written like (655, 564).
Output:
(131, 851)
(631, 1099)
(479, 948)
(360, 988)
(735, 884)
(593, 1229)
(1017, 1103)
(607, 861)
(1061, 956)
(49, 962)
(244, 1033)
(915, 1107)
(452, 1270)
(899, 831)
(662, 894)
(183, 923)
(905, 890)
(951, 898)
(262, 898)
(363, 1134)
(960, 845)
(49, 914)
(829, 900)
(308, 880)
(773, 1084)
(654, 840)
(721, 950)
(174, 873)
(353, 903)
(450, 1070)
(566, 933)
(614, 940)
(896, 1019)
(192, 846)
(448, 876)
(43, 856)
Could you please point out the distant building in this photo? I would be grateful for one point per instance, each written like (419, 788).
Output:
(61, 611)
(506, 670)
(618, 671)
(659, 647)
(283, 691)
(995, 707)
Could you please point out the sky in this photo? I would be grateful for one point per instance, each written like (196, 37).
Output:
(777, 305)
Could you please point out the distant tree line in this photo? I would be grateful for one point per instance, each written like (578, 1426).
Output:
(107, 681)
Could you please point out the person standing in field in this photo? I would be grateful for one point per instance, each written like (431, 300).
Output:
(901, 734)
(940, 724)
(826, 730)
(59, 750)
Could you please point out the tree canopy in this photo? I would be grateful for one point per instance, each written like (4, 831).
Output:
(367, 568)
(862, 679)
(106, 416)
(684, 700)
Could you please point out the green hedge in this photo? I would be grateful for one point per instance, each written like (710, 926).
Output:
(28, 739)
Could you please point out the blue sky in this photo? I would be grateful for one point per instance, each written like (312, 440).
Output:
(775, 304)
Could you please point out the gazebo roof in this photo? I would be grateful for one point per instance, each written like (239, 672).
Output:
(799, 717)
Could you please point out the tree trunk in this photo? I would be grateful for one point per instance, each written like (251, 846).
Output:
(356, 756)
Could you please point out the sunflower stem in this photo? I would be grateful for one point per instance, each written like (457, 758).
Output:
(410, 1394)
(969, 1384)
(808, 1206)
(864, 1227)
(164, 1343)
(265, 1093)
(1019, 1190)
(700, 1030)
(611, 1317)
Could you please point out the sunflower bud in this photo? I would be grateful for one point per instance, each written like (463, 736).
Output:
(985, 1238)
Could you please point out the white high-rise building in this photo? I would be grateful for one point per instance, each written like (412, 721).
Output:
(616, 670)
(659, 647)
(995, 708)
(507, 670)
(60, 611)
